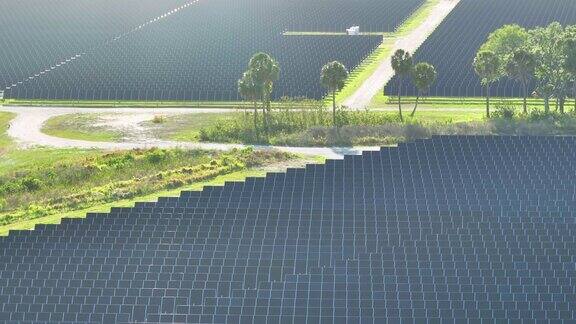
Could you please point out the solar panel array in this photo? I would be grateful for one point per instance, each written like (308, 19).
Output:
(451, 229)
(38, 34)
(453, 45)
(196, 53)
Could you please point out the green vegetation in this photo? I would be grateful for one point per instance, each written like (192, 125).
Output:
(402, 64)
(187, 127)
(386, 102)
(417, 18)
(104, 208)
(486, 66)
(13, 160)
(546, 54)
(311, 127)
(333, 77)
(129, 104)
(81, 127)
(5, 118)
(423, 76)
(86, 181)
(365, 69)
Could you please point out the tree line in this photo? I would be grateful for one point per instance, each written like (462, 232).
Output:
(543, 56)
(257, 83)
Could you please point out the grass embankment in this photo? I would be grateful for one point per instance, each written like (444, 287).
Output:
(132, 104)
(87, 127)
(48, 192)
(361, 73)
(380, 102)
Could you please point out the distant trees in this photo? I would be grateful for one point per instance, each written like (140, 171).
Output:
(257, 83)
(505, 41)
(423, 76)
(521, 67)
(570, 62)
(546, 55)
(487, 67)
(265, 71)
(402, 64)
(249, 90)
(333, 77)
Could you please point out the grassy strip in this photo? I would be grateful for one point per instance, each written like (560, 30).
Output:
(453, 102)
(115, 177)
(313, 33)
(359, 75)
(105, 208)
(417, 18)
(5, 118)
(139, 104)
(384, 51)
(80, 127)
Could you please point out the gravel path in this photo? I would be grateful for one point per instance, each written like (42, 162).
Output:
(409, 42)
(26, 128)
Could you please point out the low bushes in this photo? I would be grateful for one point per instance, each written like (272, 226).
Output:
(313, 127)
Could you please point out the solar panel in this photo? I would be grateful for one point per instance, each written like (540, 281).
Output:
(440, 230)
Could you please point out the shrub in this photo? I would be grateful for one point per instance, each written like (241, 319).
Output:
(31, 184)
(539, 115)
(158, 119)
(504, 111)
(156, 156)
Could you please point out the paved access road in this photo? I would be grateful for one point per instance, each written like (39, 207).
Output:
(409, 42)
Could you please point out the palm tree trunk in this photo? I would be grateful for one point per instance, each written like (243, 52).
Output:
(256, 120)
(415, 106)
(334, 108)
(264, 117)
(561, 102)
(547, 104)
(556, 109)
(400, 98)
(487, 100)
(525, 97)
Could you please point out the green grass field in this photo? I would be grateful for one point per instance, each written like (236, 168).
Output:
(104, 208)
(80, 127)
(5, 118)
(13, 159)
(47, 190)
(383, 101)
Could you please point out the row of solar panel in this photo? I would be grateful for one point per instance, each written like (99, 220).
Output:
(356, 261)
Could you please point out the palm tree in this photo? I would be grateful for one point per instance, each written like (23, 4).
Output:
(521, 67)
(249, 90)
(265, 71)
(402, 65)
(423, 75)
(333, 77)
(487, 67)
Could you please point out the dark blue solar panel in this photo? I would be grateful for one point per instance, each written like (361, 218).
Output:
(441, 230)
